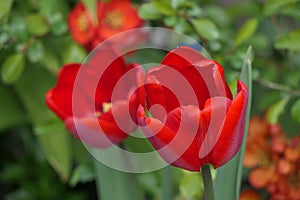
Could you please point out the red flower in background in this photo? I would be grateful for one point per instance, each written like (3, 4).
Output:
(191, 127)
(117, 16)
(81, 25)
(113, 17)
(92, 109)
(274, 160)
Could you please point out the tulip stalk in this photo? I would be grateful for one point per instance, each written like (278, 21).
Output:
(208, 183)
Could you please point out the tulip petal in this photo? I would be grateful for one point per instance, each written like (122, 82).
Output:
(104, 131)
(182, 57)
(231, 137)
(175, 140)
(186, 78)
(59, 98)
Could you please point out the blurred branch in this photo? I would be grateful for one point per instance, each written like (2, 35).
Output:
(277, 86)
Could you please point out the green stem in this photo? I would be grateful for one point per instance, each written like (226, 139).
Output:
(167, 183)
(208, 183)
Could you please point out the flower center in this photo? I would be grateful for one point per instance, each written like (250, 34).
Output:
(114, 19)
(105, 108)
(82, 23)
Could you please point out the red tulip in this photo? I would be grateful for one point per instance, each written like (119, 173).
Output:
(98, 116)
(194, 119)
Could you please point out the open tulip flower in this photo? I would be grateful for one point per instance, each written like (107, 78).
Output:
(97, 117)
(193, 119)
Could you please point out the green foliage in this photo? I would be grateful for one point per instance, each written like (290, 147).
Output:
(246, 31)
(149, 12)
(5, 6)
(12, 68)
(191, 186)
(273, 6)
(277, 109)
(289, 41)
(229, 176)
(206, 28)
(36, 25)
(38, 153)
(296, 111)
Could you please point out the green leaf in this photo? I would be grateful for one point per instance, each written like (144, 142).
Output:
(5, 7)
(82, 174)
(35, 52)
(37, 25)
(73, 53)
(274, 6)
(167, 183)
(175, 4)
(206, 28)
(182, 26)
(191, 186)
(292, 11)
(218, 15)
(148, 12)
(11, 111)
(246, 31)
(276, 110)
(50, 62)
(164, 6)
(31, 89)
(12, 68)
(56, 143)
(125, 185)
(58, 24)
(229, 176)
(289, 41)
(295, 111)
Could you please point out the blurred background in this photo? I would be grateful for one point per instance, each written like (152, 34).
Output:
(41, 160)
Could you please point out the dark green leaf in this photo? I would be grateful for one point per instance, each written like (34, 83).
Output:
(244, 9)
(246, 31)
(5, 7)
(289, 41)
(37, 25)
(228, 180)
(57, 147)
(31, 89)
(58, 24)
(11, 112)
(182, 26)
(51, 62)
(217, 15)
(295, 111)
(35, 52)
(206, 28)
(12, 68)
(292, 11)
(274, 6)
(149, 12)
